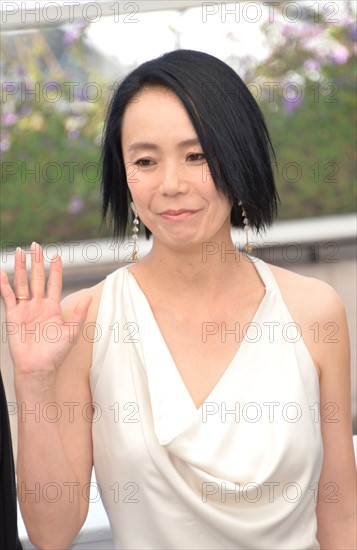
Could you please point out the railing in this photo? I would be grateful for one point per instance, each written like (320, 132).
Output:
(327, 239)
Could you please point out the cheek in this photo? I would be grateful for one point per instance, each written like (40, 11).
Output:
(141, 192)
(215, 198)
(132, 174)
(223, 206)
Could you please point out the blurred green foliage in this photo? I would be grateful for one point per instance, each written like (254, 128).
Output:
(311, 115)
(50, 139)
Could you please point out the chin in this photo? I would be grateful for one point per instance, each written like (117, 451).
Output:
(180, 240)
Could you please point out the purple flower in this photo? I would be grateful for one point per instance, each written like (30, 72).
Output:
(78, 93)
(339, 55)
(73, 32)
(70, 36)
(353, 33)
(75, 205)
(289, 31)
(73, 133)
(4, 144)
(312, 65)
(310, 31)
(51, 87)
(10, 119)
(19, 71)
(25, 110)
(289, 105)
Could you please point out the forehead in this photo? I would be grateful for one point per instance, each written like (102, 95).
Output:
(158, 112)
(152, 95)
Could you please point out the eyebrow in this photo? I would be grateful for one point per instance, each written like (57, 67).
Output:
(152, 146)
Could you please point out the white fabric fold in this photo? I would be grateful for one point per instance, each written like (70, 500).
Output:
(241, 471)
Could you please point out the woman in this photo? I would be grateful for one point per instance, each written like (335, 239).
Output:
(205, 429)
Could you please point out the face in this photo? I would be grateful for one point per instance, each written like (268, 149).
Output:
(167, 173)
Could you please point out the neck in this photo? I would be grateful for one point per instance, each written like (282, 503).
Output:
(208, 264)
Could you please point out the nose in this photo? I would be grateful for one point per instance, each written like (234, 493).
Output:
(172, 181)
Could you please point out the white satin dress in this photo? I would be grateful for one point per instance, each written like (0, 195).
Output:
(240, 472)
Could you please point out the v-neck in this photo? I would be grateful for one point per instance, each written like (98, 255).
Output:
(172, 404)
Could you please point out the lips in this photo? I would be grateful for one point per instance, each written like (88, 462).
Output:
(180, 214)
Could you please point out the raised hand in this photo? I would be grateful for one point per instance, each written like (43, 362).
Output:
(39, 338)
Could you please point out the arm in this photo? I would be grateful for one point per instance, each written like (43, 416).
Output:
(312, 301)
(54, 441)
(336, 508)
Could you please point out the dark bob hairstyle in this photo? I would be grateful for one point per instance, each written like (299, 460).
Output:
(227, 121)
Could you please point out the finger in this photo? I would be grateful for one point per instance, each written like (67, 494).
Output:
(81, 309)
(79, 315)
(54, 285)
(38, 279)
(21, 286)
(6, 291)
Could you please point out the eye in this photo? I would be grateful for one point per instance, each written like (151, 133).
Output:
(194, 157)
(144, 162)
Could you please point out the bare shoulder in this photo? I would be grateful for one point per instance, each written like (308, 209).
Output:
(320, 313)
(312, 297)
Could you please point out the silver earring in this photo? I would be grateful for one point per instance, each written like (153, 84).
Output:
(134, 236)
(248, 247)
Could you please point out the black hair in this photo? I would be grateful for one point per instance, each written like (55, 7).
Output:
(229, 126)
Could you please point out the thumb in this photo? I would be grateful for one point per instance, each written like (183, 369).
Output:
(81, 309)
(78, 316)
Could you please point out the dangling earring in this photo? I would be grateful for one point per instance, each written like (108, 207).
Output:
(247, 246)
(134, 237)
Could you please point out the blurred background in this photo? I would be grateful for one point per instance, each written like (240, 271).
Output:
(298, 59)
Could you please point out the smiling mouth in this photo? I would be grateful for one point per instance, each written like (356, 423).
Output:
(177, 214)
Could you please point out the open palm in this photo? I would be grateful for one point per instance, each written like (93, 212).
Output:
(39, 338)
